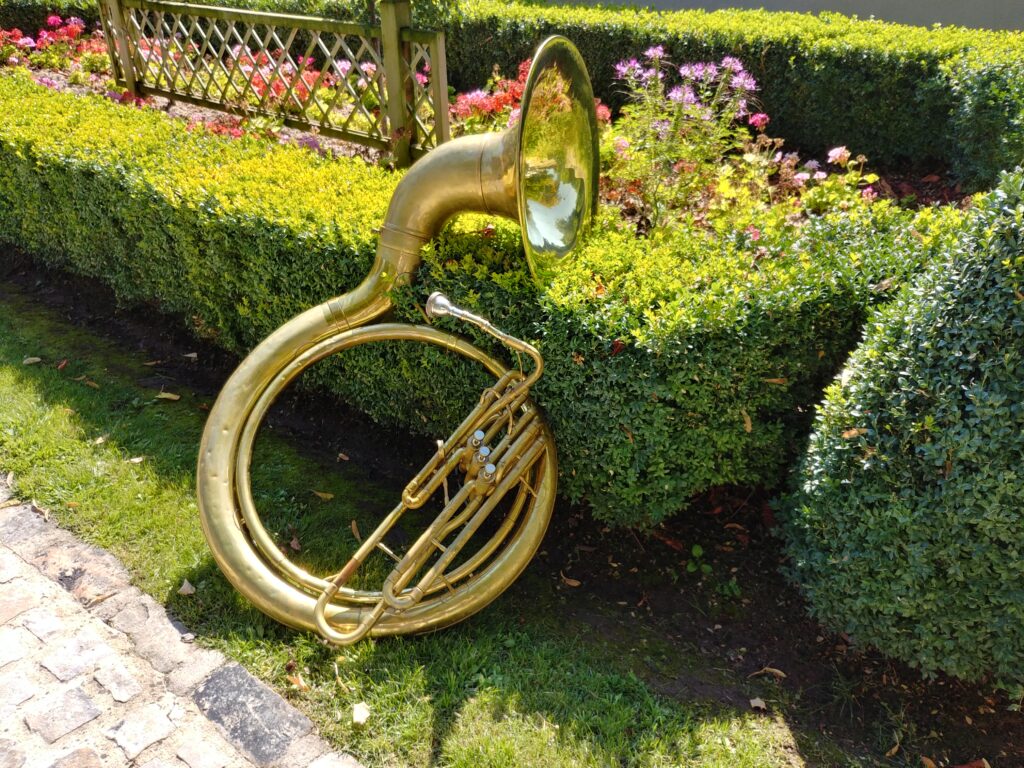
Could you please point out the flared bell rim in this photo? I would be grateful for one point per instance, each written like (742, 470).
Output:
(547, 239)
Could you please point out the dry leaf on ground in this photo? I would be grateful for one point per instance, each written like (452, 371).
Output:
(568, 581)
(778, 674)
(298, 682)
(758, 705)
(31, 360)
(324, 495)
(168, 396)
(186, 588)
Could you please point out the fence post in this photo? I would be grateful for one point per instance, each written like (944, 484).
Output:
(439, 86)
(394, 15)
(118, 44)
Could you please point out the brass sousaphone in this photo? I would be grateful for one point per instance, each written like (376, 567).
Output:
(542, 172)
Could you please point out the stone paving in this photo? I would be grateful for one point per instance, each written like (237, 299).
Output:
(93, 673)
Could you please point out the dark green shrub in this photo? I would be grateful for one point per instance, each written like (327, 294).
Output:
(906, 526)
(673, 364)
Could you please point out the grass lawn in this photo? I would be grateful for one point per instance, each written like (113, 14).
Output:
(521, 684)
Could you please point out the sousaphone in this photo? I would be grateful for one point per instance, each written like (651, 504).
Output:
(497, 472)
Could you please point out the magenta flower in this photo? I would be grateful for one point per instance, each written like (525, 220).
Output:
(421, 79)
(839, 156)
(54, 21)
(759, 120)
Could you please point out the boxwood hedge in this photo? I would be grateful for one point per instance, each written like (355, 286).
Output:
(901, 95)
(906, 529)
(673, 364)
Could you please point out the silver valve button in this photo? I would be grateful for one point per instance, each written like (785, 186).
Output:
(477, 439)
(488, 472)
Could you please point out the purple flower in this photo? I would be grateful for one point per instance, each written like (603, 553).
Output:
(801, 178)
(682, 94)
(744, 81)
(311, 143)
(74, 21)
(732, 63)
(839, 156)
(655, 52)
(759, 120)
(26, 42)
(46, 81)
(820, 175)
(812, 165)
(513, 117)
(700, 71)
(627, 69)
(661, 128)
(621, 144)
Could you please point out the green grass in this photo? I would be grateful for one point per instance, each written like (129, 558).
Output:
(518, 685)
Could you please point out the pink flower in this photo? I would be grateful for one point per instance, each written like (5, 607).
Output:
(759, 120)
(868, 194)
(753, 232)
(621, 144)
(25, 42)
(421, 79)
(655, 52)
(820, 175)
(513, 117)
(839, 156)
(801, 178)
(54, 20)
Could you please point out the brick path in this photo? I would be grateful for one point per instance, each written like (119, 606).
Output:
(94, 674)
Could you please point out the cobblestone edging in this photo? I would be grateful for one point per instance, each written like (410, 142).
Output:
(94, 674)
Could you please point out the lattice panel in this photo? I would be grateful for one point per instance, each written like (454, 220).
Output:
(421, 109)
(315, 73)
(328, 80)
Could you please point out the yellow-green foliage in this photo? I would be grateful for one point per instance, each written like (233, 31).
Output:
(673, 364)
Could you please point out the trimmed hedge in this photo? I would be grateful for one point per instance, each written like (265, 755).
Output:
(673, 365)
(906, 529)
(899, 94)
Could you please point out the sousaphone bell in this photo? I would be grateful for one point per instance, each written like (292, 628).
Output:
(497, 472)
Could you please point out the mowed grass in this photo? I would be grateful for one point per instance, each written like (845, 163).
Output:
(517, 685)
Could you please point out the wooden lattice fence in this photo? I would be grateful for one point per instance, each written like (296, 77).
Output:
(384, 87)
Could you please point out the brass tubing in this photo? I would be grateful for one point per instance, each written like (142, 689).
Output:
(417, 555)
(453, 549)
